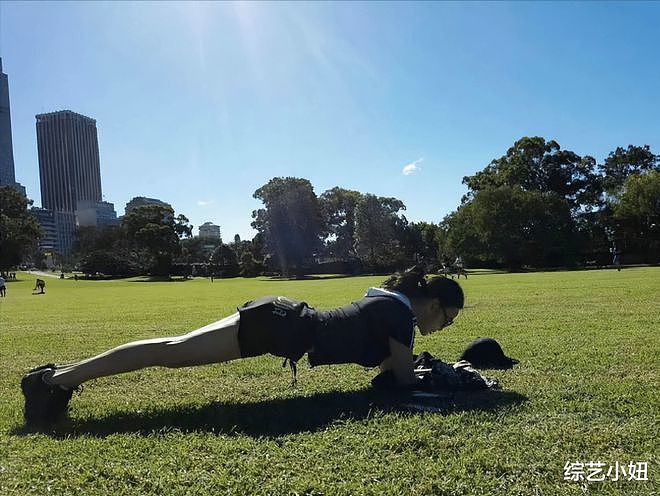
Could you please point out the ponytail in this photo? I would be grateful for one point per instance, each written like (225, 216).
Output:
(413, 284)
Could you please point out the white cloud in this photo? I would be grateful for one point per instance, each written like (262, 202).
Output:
(204, 203)
(412, 167)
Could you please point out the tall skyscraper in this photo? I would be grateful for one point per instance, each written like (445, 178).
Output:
(69, 165)
(70, 177)
(7, 173)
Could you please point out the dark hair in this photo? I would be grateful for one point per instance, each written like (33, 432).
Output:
(414, 284)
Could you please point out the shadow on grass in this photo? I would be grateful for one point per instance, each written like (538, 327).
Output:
(310, 277)
(275, 418)
(161, 279)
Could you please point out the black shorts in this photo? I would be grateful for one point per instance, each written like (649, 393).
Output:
(276, 325)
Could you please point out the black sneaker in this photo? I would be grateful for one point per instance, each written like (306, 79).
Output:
(44, 403)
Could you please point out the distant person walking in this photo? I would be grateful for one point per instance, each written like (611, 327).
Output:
(616, 258)
(3, 288)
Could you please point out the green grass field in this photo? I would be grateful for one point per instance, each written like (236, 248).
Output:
(586, 390)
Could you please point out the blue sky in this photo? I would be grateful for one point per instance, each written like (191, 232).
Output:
(199, 104)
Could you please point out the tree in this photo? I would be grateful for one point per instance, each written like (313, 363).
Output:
(224, 262)
(516, 227)
(291, 222)
(89, 238)
(622, 163)
(423, 241)
(258, 247)
(197, 250)
(19, 229)
(376, 228)
(107, 262)
(637, 212)
(536, 165)
(249, 267)
(620, 228)
(105, 250)
(460, 237)
(338, 206)
(594, 230)
(157, 232)
(240, 247)
(640, 198)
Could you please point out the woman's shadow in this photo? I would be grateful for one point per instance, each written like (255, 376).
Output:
(274, 418)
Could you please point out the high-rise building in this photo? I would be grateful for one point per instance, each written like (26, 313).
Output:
(70, 176)
(7, 172)
(210, 231)
(69, 165)
(7, 176)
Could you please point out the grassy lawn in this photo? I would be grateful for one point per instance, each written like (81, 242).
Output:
(586, 390)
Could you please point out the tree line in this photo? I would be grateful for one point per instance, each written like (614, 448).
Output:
(536, 206)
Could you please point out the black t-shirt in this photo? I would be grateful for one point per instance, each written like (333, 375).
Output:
(355, 333)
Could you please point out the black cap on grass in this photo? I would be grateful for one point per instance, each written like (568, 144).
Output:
(486, 353)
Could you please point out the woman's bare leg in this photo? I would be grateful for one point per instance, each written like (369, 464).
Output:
(214, 343)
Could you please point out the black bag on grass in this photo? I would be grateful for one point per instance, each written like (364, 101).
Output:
(435, 375)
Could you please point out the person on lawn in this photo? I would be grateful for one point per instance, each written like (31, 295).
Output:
(377, 330)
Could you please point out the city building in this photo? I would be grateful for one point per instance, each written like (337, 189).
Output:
(69, 165)
(46, 219)
(58, 230)
(7, 172)
(210, 231)
(96, 214)
(141, 201)
(70, 177)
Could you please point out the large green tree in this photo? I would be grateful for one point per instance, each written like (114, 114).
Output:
(534, 164)
(197, 250)
(514, 227)
(89, 239)
(620, 228)
(154, 230)
(622, 163)
(516, 202)
(105, 250)
(377, 226)
(423, 241)
(291, 222)
(460, 237)
(108, 262)
(19, 229)
(338, 206)
(637, 214)
(224, 262)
